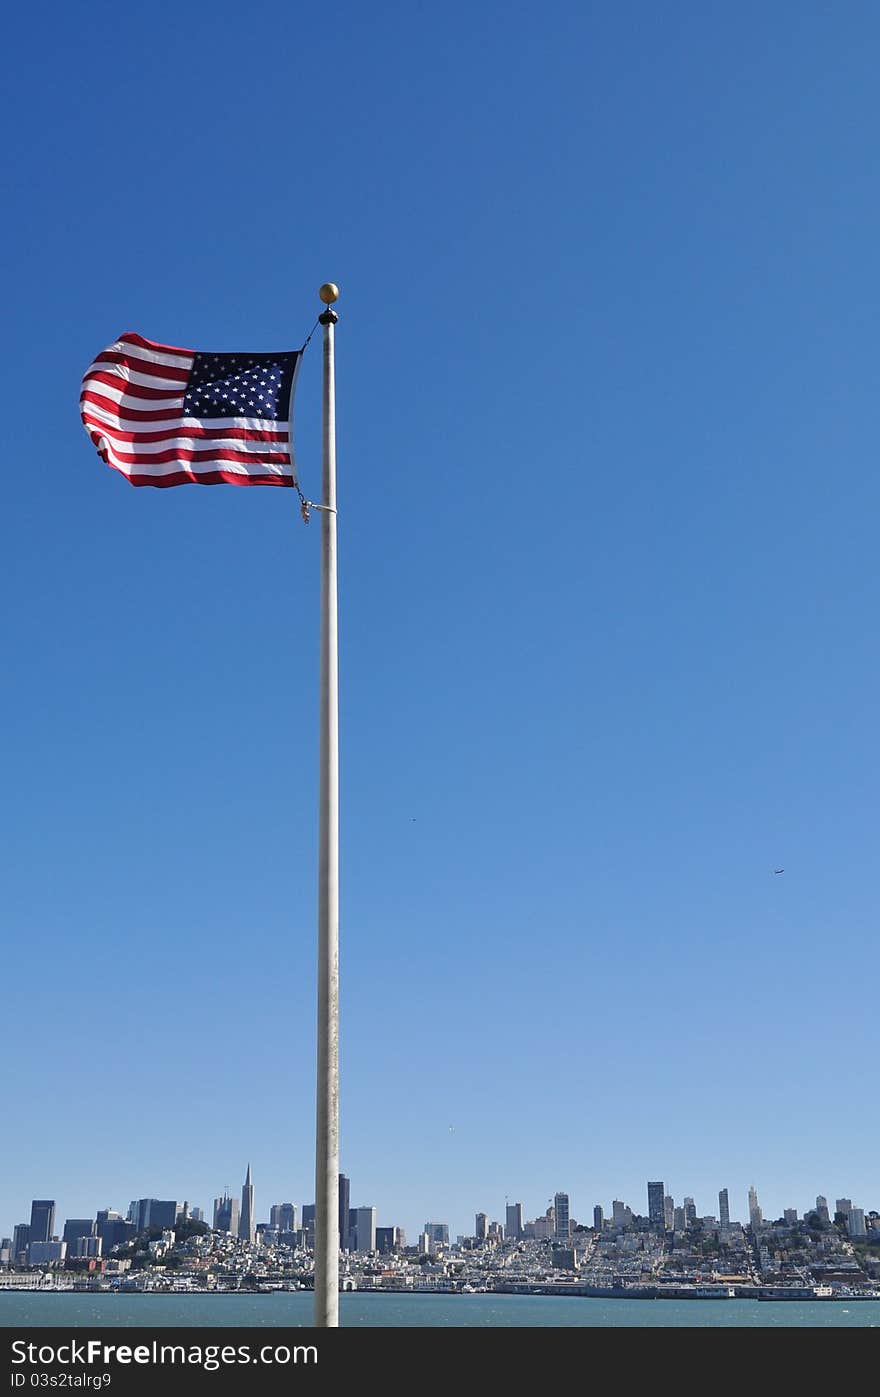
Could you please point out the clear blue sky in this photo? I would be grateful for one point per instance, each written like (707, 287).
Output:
(607, 378)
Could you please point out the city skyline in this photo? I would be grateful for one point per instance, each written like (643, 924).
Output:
(654, 1207)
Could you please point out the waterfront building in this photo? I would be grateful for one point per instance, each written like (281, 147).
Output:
(724, 1209)
(598, 1217)
(563, 1221)
(481, 1227)
(656, 1215)
(366, 1229)
(344, 1211)
(46, 1253)
(5, 1251)
(756, 1217)
(226, 1214)
(42, 1219)
(513, 1226)
(855, 1222)
(246, 1216)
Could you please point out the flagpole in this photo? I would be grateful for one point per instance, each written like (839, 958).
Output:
(327, 1113)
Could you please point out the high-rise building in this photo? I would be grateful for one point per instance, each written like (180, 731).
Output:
(855, 1222)
(85, 1246)
(113, 1229)
(790, 1216)
(226, 1214)
(42, 1219)
(756, 1217)
(438, 1233)
(843, 1205)
(154, 1212)
(197, 1214)
(563, 1222)
(246, 1223)
(679, 1220)
(366, 1229)
(21, 1240)
(668, 1212)
(598, 1217)
(282, 1217)
(513, 1225)
(656, 1211)
(344, 1209)
(618, 1213)
(74, 1228)
(724, 1209)
(389, 1239)
(481, 1227)
(690, 1211)
(822, 1208)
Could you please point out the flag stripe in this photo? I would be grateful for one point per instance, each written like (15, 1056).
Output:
(177, 433)
(148, 371)
(146, 409)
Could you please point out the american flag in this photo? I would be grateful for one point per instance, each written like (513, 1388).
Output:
(166, 416)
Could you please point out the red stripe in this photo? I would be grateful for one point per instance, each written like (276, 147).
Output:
(146, 366)
(182, 453)
(129, 337)
(163, 434)
(130, 390)
(207, 478)
(165, 414)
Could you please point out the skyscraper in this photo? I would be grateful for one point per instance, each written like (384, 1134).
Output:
(822, 1208)
(21, 1240)
(246, 1230)
(690, 1211)
(724, 1209)
(42, 1219)
(438, 1233)
(563, 1223)
(481, 1227)
(74, 1228)
(656, 1211)
(756, 1217)
(282, 1217)
(366, 1229)
(226, 1214)
(344, 1207)
(669, 1212)
(513, 1226)
(598, 1217)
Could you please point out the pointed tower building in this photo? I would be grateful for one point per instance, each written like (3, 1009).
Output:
(246, 1230)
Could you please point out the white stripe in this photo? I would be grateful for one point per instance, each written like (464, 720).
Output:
(183, 360)
(183, 424)
(138, 448)
(129, 375)
(118, 395)
(196, 467)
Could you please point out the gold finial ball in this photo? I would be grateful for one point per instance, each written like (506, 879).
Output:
(329, 293)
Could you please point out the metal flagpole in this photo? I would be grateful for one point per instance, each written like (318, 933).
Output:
(327, 1121)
